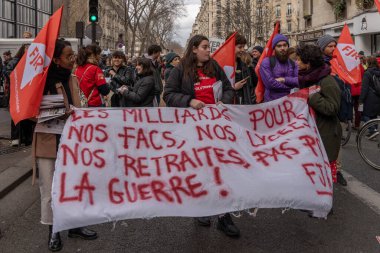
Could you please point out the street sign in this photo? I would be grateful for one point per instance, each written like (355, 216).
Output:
(99, 31)
(215, 43)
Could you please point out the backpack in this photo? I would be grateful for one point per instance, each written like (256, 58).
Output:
(82, 97)
(376, 85)
(346, 104)
(272, 61)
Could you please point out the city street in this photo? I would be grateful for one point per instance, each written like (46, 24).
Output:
(352, 228)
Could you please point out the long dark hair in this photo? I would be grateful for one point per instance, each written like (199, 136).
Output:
(189, 61)
(56, 73)
(60, 44)
(85, 52)
(147, 69)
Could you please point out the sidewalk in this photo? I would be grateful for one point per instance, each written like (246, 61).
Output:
(16, 162)
(5, 124)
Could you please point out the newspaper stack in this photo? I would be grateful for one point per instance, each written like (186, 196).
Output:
(52, 107)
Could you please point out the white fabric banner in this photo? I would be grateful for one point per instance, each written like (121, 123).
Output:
(153, 162)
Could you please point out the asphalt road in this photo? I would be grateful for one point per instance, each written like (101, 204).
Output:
(352, 228)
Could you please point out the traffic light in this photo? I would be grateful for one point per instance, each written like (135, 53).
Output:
(93, 10)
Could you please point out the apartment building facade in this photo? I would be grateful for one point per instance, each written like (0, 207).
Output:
(253, 18)
(110, 19)
(329, 16)
(18, 16)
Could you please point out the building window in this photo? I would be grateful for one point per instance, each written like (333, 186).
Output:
(278, 11)
(260, 12)
(289, 9)
(289, 25)
(308, 21)
(259, 30)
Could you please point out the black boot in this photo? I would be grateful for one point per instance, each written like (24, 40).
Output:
(54, 243)
(228, 227)
(340, 179)
(84, 233)
(204, 221)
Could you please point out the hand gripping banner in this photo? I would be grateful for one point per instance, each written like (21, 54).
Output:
(155, 162)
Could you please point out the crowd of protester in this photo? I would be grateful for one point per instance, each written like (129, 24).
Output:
(188, 81)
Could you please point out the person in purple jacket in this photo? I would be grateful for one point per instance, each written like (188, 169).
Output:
(279, 73)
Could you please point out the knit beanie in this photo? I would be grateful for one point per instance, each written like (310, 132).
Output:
(170, 57)
(258, 48)
(323, 41)
(278, 38)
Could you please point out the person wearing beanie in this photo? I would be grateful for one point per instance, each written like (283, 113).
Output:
(278, 73)
(255, 52)
(327, 44)
(172, 60)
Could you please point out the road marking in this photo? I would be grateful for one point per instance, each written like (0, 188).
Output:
(362, 191)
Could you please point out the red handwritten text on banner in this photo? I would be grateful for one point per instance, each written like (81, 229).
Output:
(149, 162)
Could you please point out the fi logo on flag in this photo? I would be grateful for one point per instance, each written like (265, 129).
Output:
(36, 61)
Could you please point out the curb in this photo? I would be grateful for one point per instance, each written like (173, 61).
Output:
(13, 179)
(15, 171)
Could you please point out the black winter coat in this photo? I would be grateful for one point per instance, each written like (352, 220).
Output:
(370, 101)
(246, 95)
(142, 93)
(179, 91)
(123, 76)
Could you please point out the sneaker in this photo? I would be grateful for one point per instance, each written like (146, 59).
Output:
(204, 221)
(84, 233)
(227, 226)
(15, 143)
(340, 179)
(372, 135)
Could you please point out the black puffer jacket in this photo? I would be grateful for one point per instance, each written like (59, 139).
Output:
(142, 93)
(179, 91)
(124, 76)
(370, 101)
(10, 67)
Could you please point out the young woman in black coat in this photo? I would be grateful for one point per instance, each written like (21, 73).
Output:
(142, 93)
(191, 84)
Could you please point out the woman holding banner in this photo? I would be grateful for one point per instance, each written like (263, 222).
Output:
(326, 102)
(45, 145)
(191, 84)
(91, 78)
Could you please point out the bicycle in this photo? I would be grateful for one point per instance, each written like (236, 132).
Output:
(368, 143)
(346, 132)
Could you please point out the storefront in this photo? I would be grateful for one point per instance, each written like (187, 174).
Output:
(309, 37)
(365, 30)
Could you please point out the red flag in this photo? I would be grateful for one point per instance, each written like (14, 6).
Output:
(268, 51)
(29, 76)
(346, 62)
(225, 56)
(377, 2)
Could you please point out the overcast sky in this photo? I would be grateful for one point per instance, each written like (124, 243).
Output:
(185, 23)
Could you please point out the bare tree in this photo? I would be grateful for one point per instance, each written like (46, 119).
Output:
(255, 24)
(238, 17)
(149, 21)
(158, 22)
